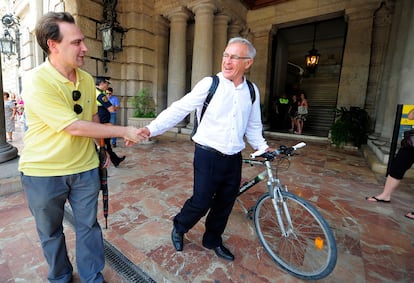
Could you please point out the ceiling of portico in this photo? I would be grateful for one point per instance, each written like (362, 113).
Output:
(256, 4)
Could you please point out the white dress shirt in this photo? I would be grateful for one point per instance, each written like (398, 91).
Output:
(229, 117)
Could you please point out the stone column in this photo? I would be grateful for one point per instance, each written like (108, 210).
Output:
(406, 82)
(356, 59)
(161, 62)
(380, 39)
(203, 39)
(234, 29)
(220, 40)
(7, 151)
(177, 56)
(260, 70)
(398, 84)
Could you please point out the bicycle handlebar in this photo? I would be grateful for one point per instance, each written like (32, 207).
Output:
(270, 155)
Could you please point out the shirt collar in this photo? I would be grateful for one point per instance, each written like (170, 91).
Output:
(49, 67)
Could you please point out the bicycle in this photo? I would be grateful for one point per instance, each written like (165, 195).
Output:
(291, 230)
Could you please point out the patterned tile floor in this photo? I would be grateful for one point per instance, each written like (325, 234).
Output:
(375, 241)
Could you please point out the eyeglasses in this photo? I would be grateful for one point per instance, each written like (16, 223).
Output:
(76, 95)
(234, 57)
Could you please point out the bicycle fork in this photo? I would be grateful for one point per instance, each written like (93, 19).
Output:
(275, 191)
(277, 198)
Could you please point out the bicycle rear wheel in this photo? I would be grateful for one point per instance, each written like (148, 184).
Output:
(308, 251)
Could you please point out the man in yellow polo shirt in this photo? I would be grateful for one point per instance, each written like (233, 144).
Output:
(59, 161)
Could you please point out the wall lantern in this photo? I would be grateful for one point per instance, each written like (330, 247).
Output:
(7, 44)
(112, 37)
(112, 33)
(312, 59)
(10, 45)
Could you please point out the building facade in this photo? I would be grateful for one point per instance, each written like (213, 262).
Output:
(168, 45)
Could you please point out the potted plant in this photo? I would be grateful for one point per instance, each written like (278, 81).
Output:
(351, 126)
(144, 104)
(144, 111)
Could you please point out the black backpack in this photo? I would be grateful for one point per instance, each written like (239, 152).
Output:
(211, 92)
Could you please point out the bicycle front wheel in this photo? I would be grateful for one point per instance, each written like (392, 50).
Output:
(308, 248)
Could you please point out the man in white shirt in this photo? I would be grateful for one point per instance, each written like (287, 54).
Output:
(230, 116)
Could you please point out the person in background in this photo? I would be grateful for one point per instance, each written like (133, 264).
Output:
(59, 162)
(9, 116)
(105, 108)
(282, 112)
(230, 116)
(403, 161)
(301, 117)
(20, 108)
(115, 102)
(293, 112)
(13, 99)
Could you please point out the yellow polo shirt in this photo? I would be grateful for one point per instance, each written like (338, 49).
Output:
(48, 150)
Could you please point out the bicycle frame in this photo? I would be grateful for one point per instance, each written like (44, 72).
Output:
(274, 187)
(260, 177)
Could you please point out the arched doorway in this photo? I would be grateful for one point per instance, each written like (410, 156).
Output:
(289, 76)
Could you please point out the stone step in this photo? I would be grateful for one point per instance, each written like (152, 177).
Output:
(10, 177)
(10, 185)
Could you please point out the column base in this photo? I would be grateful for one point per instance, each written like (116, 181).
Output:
(7, 152)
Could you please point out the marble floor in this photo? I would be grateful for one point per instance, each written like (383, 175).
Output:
(375, 241)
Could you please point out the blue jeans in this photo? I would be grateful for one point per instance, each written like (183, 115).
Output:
(112, 120)
(46, 197)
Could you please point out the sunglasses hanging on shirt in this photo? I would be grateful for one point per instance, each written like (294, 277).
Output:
(76, 95)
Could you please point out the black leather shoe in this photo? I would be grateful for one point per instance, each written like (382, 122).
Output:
(223, 252)
(177, 240)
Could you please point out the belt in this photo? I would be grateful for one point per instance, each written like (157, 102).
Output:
(210, 149)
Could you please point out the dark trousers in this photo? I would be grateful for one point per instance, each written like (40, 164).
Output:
(402, 162)
(114, 158)
(216, 185)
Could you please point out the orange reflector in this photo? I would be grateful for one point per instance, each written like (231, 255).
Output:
(319, 243)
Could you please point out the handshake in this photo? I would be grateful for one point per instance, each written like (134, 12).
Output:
(134, 135)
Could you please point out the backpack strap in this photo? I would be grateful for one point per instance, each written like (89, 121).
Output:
(252, 92)
(211, 92)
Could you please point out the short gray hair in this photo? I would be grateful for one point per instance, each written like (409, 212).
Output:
(251, 50)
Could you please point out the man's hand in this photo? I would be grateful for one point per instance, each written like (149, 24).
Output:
(134, 135)
(107, 160)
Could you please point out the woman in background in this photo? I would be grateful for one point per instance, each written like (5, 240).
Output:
(303, 109)
(9, 115)
(293, 112)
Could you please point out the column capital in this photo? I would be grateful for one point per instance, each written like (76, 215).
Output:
(178, 14)
(162, 25)
(221, 19)
(203, 7)
(261, 31)
(235, 28)
(356, 14)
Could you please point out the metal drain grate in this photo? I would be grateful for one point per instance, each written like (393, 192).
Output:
(120, 263)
